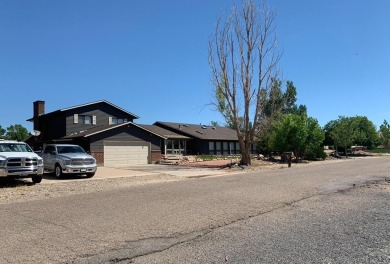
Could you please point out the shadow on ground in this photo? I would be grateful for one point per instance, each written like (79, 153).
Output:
(14, 182)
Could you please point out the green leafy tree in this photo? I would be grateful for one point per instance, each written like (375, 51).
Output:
(2, 132)
(343, 133)
(328, 128)
(16, 132)
(314, 148)
(275, 101)
(290, 99)
(365, 132)
(347, 131)
(214, 123)
(384, 134)
(289, 133)
(243, 56)
(298, 133)
(279, 103)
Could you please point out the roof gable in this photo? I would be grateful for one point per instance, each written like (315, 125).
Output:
(101, 129)
(89, 104)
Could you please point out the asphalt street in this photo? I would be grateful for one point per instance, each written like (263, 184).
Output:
(327, 213)
(342, 227)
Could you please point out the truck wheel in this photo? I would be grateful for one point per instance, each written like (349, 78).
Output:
(36, 179)
(90, 175)
(58, 171)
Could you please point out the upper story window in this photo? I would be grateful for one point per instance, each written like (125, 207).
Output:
(116, 120)
(84, 119)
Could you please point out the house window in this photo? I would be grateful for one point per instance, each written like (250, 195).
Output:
(225, 148)
(176, 147)
(231, 148)
(218, 148)
(85, 119)
(116, 120)
(211, 147)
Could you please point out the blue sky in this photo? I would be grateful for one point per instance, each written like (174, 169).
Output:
(150, 56)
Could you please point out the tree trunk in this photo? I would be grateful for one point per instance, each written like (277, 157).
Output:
(245, 157)
(297, 155)
(243, 55)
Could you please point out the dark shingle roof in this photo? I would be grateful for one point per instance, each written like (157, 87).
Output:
(164, 132)
(100, 129)
(200, 131)
(92, 103)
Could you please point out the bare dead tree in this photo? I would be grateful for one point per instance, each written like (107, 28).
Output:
(243, 56)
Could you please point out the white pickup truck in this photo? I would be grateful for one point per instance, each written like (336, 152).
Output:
(68, 159)
(17, 160)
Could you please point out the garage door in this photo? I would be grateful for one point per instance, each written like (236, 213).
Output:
(119, 156)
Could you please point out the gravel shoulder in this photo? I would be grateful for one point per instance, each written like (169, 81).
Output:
(24, 190)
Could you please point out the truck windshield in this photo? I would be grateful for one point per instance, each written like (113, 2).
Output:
(69, 149)
(14, 147)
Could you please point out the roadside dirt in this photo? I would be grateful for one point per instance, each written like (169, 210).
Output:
(232, 164)
(24, 190)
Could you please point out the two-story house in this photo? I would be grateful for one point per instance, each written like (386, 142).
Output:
(101, 128)
(109, 133)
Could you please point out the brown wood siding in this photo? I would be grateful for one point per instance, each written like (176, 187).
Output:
(102, 112)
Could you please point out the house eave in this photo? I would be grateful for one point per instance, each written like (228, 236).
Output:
(86, 134)
(82, 105)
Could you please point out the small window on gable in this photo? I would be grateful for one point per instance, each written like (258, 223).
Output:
(85, 119)
(116, 120)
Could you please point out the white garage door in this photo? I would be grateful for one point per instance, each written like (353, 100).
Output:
(119, 156)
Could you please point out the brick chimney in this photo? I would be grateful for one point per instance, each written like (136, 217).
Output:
(39, 109)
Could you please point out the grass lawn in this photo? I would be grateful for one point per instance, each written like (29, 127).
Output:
(379, 150)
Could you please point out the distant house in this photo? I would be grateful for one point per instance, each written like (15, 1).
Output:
(109, 133)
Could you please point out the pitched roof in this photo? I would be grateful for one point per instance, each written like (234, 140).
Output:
(200, 131)
(164, 132)
(99, 129)
(92, 103)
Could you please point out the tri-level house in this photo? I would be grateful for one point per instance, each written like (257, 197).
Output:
(101, 128)
(110, 134)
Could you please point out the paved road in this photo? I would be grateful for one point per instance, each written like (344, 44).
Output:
(346, 227)
(307, 214)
